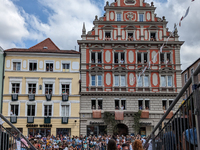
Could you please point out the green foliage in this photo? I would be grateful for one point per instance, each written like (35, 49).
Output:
(136, 118)
(109, 120)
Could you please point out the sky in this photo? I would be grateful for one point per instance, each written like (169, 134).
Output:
(24, 23)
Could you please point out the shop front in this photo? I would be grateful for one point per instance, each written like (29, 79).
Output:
(42, 131)
(63, 131)
(96, 128)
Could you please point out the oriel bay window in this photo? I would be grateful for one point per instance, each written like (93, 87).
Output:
(119, 57)
(96, 80)
(96, 57)
(47, 110)
(142, 58)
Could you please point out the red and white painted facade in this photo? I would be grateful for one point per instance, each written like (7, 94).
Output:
(122, 19)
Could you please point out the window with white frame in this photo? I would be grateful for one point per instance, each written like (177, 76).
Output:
(49, 67)
(65, 89)
(47, 110)
(123, 81)
(65, 110)
(141, 17)
(93, 104)
(96, 80)
(31, 88)
(163, 81)
(153, 36)
(142, 58)
(120, 104)
(143, 81)
(119, 17)
(116, 80)
(65, 67)
(169, 81)
(32, 66)
(166, 81)
(14, 109)
(48, 88)
(147, 105)
(108, 35)
(119, 80)
(30, 110)
(140, 104)
(119, 57)
(17, 66)
(165, 58)
(95, 55)
(164, 104)
(192, 71)
(15, 88)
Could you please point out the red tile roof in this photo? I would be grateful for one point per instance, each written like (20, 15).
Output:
(46, 46)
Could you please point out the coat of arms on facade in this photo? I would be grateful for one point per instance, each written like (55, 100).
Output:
(130, 2)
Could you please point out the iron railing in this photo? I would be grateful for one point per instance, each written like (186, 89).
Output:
(182, 131)
(14, 139)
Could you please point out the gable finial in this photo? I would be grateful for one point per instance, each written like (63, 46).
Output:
(83, 30)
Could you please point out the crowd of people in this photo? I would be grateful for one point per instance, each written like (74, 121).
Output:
(100, 142)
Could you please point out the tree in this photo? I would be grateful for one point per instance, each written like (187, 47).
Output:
(136, 118)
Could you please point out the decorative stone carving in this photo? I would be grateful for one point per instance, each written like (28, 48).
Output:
(160, 35)
(107, 56)
(112, 16)
(107, 67)
(108, 79)
(123, 34)
(57, 65)
(8, 64)
(41, 64)
(146, 34)
(75, 65)
(155, 79)
(138, 34)
(153, 54)
(131, 56)
(131, 79)
(131, 67)
(148, 16)
(24, 64)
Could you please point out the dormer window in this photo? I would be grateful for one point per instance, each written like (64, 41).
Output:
(130, 2)
(153, 36)
(108, 36)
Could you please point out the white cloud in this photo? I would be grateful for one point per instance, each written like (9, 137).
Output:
(12, 25)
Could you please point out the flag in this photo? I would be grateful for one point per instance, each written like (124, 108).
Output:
(187, 11)
(162, 46)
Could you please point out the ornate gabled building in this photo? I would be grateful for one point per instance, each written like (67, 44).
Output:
(113, 53)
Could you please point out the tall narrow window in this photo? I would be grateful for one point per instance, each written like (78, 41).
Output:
(100, 104)
(116, 104)
(139, 58)
(93, 80)
(140, 104)
(123, 104)
(116, 57)
(141, 17)
(185, 77)
(93, 60)
(153, 36)
(99, 58)
(99, 80)
(164, 104)
(15, 88)
(17, 66)
(192, 71)
(146, 81)
(130, 36)
(169, 81)
(145, 58)
(108, 36)
(147, 104)
(48, 88)
(32, 66)
(122, 58)
(93, 104)
(163, 81)
(14, 110)
(123, 80)
(31, 88)
(65, 111)
(65, 67)
(162, 58)
(119, 17)
(168, 58)
(116, 80)
(139, 81)
(47, 110)
(31, 110)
